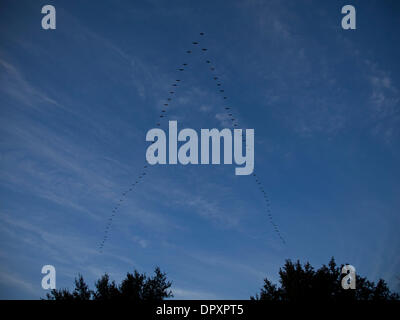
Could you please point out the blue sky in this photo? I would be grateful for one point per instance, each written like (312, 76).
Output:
(76, 103)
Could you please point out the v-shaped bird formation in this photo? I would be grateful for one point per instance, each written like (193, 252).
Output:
(163, 115)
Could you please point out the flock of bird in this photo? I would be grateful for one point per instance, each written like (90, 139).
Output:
(163, 115)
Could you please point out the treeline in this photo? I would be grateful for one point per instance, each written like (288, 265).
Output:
(303, 283)
(135, 287)
(297, 282)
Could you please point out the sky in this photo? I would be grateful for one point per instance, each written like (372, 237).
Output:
(76, 104)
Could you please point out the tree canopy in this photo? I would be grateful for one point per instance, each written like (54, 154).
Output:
(304, 283)
(134, 287)
(297, 282)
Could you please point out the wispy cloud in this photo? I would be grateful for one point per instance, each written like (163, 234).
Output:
(185, 294)
(384, 102)
(385, 95)
(14, 84)
(14, 280)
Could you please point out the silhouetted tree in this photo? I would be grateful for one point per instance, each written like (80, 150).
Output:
(135, 287)
(62, 294)
(301, 283)
(81, 291)
(106, 290)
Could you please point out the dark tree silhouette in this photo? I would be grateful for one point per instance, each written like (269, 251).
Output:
(135, 287)
(106, 290)
(303, 283)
